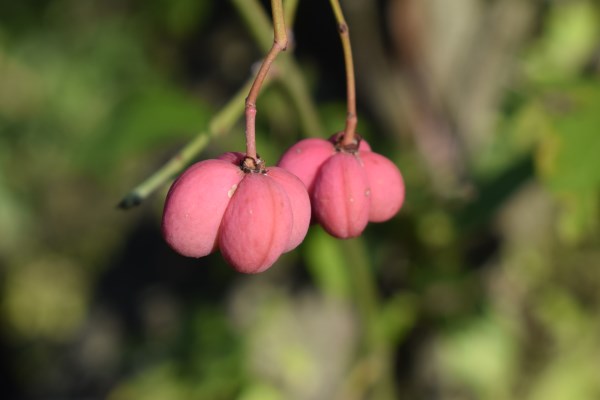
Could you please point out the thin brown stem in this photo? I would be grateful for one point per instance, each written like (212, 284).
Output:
(279, 44)
(351, 118)
(291, 76)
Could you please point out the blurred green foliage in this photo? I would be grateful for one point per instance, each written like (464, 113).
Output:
(488, 291)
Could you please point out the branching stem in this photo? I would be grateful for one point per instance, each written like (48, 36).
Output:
(279, 44)
(220, 123)
(225, 118)
(351, 118)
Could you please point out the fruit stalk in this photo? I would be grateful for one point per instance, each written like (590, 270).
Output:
(259, 26)
(344, 31)
(279, 44)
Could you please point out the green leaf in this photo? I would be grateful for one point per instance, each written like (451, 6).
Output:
(567, 157)
(570, 38)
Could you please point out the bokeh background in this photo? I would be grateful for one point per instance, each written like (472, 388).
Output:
(485, 286)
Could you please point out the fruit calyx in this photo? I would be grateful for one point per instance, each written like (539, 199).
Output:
(352, 147)
(252, 165)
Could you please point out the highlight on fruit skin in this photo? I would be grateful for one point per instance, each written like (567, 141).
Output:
(251, 217)
(348, 186)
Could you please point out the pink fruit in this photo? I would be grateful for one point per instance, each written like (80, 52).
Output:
(341, 196)
(296, 192)
(195, 206)
(251, 216)
(305, 158)
(348, 185)
(386, 184)
(257, 224)
(299, 201)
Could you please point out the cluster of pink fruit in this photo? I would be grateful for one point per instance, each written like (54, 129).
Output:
(253, 213)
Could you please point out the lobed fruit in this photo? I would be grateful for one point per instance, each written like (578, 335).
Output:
(195, 206)
(305, 158)
(299, 200)
(348, 187)
(257, 224)
(341, 196)
(251, 217)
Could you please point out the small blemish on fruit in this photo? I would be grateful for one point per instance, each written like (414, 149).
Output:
(298, 151)
(351, 199)
(231, 191)
(367, 192)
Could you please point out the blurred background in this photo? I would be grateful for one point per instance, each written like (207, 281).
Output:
(485, 286)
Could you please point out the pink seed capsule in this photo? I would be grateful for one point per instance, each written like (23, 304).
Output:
(252, 217)
(257, 224)
(305, 158)
(386, 184)
(341, 196)
(296, 192)
(299, 200)
(195, 206)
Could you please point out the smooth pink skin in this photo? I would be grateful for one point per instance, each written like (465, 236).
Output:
(257, 224)
(299, 201)
(195, 206)
(305, 158)
(364, 146)
(387, 186)
(297, 195)
(341, 196)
